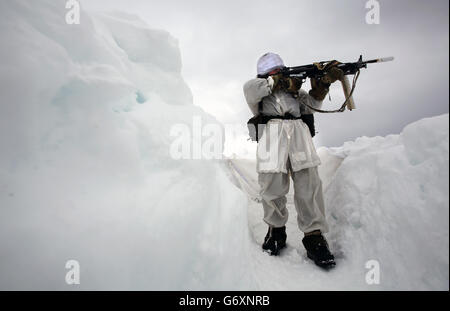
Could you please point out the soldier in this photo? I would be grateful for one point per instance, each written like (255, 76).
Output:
(286, 150)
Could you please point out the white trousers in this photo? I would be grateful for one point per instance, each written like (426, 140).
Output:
(308, 199)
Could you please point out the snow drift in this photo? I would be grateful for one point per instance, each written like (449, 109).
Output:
(389, 201)
(85, 170)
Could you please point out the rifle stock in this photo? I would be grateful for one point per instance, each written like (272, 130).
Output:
(346, 87)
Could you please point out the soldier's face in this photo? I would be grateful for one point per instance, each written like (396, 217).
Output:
(274, 72)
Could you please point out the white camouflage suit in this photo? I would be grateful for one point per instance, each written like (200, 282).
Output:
(286, 148)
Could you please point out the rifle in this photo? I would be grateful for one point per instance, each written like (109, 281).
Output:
(318, 70)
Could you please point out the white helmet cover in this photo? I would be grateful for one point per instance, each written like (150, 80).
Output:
(269, 62)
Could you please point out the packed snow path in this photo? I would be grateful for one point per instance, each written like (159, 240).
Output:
(292, 270)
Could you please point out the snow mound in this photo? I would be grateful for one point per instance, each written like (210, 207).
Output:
(85, 170)
(389, 201)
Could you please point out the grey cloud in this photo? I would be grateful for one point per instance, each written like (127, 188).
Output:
(221, 41)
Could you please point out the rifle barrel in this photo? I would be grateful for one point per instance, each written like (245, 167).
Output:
(380, 60)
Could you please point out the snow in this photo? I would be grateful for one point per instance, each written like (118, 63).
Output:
(386, 200)
(85, 169)
(86, 175)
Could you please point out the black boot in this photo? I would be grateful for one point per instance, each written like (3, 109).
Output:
(275, 240)
(317, 250)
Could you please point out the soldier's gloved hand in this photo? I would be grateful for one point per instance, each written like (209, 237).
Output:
(333, 74)
(293, 84)
(288, 84)
(319, 89)
(273, 81)
(276, 82)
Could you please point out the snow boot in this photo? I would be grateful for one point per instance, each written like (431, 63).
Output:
(275, 240)
(318, 251)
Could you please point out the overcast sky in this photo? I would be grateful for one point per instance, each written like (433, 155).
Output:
(220, 42)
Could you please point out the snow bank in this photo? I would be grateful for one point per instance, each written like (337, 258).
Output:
(85, 171)
(389, 201)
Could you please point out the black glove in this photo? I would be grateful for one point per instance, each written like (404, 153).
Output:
(332, 75)
(293, 84)
(278, 82)
(288, 84)
(319, 89)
